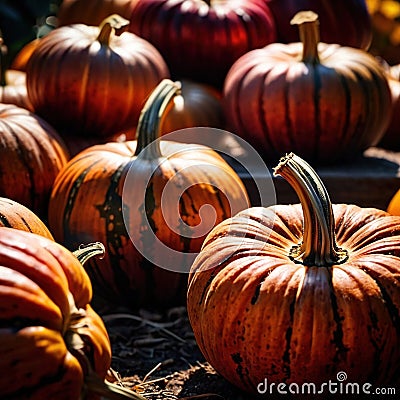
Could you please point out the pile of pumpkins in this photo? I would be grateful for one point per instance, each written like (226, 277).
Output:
(288, 293)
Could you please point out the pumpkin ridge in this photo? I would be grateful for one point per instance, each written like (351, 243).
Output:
(5, 221)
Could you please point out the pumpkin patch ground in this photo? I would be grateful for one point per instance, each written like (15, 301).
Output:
(155, 354)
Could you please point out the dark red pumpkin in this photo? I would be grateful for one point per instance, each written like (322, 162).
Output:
(200, 39)
(115, 193)
(86, 80)
(344, 22)
(325, 102)
(92, 12)
(300, 293)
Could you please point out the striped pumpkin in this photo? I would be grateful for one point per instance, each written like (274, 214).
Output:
(15, 215)
(114, 193)
(89, 81)
(325, 102)
(50, 337)
(31, 155)
(299, 293)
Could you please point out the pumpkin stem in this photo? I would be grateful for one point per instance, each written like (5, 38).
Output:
(318, 247)
(308, 24)
(111, 24)
(152, 117)
(87, 251)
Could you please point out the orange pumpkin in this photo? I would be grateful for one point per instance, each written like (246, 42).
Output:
(51, 339)
(31, 155)
(17, 216)
(20, 60)
(120, 187)
(88, 81)
(12, 84)
(325, 102)
(300, 293)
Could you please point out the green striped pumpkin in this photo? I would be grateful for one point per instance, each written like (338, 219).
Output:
(323, 101)
(92, 193)
(299, 293)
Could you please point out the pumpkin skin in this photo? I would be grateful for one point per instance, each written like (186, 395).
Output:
(13, 89)
(333, 16)
(88, 81)
(20, 60)
(325, 102)
(290, 298)
(45, 296)
(31, 155)
(391, 138)
(200, 40)
(92, 12)
(96, 181)
(17, 216)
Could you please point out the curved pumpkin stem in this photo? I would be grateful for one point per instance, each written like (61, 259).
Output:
(152, 116)
(318, 247)
(110, 25)
(309, 35)
(89, 250)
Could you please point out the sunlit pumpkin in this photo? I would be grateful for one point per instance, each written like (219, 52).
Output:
(325, 102)
(15, 215)
(89, 81)
(31, 156)
(300, 293)
(53, 344)
(200, 39)
(127, 195)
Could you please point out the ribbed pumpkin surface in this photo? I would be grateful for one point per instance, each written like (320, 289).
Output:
(325, 102)
(17, 216)
(31, 155)
(45, 296)
(87, 80)
(258, 312)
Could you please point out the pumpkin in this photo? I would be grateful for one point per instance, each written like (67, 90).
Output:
(198, 105)
(144, 200)
(20, 60)
(325, 102)
(15, 215)
(92, 12)
(200, 40)
(301, 292)
(12, 83)
(54, 345)
(31, 155)
(351, 14)
(87, 80)
(391, 138)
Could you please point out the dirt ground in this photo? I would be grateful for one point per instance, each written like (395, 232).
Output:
(155, 354)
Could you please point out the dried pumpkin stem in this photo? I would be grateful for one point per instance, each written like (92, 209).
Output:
(111, 24)
(318, 247)
(151, 118)
(308, 24)
(89, 250)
